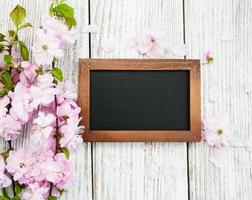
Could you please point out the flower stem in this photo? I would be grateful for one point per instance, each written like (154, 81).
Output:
(12, 180)
(57, 136)
(10, 148)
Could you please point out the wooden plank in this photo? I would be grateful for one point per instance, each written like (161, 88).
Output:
(37, 11)
(207, 25)
(137, 170)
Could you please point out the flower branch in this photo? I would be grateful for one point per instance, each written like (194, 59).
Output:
(30, 94)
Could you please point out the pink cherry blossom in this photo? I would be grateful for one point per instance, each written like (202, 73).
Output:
(15, 73)
(67, 92)
(43, 127)
(19, 165)
(28, 73)
(4, 101)
(35, 192)
(46, 47)
(43, 91)
(217, 131)
(59, 172)
(67, 110)
(209, 57)
(151, 43)
(28, 166)
(41, 157)
(5, 181)
(21, 100)
(2, 64)
(60, 31)
(52, 109)
(48, 144)
(15, 53)
(71, 133)
(9, 128)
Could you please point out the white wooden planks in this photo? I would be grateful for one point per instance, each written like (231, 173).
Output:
(136, 170)
(211, 25)
(156, 171)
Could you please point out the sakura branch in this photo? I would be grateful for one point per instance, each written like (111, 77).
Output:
(32, 93)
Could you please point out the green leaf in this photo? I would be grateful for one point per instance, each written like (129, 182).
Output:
(25, 25)
(2, 36)
(57, 73)
(24, 50)
(4, 91)
(6, 77)
(7, 58)
(5, 193)
(52, 198)
(16, 198)
(3, 198)
(70, 21)
(2, 48)
(18, 188)
(65, 11)
(11, 33)
(5, 154)
(66, 152)
(51, 9)
(18, 15)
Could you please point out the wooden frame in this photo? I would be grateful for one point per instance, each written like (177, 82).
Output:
(194, 134)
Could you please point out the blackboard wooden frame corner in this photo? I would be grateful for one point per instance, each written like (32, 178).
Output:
(192, 135)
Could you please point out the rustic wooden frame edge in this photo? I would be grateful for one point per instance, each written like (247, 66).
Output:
(193, 135)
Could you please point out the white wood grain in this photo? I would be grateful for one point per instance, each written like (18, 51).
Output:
(206, 21)
(157, 171)
(36, 12)
(124, 171)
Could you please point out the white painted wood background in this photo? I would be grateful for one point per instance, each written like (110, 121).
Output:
(162, 171)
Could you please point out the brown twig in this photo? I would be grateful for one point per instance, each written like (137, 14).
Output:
(57, 136)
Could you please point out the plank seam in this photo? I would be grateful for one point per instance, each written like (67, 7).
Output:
(187, 144)
(89, 55)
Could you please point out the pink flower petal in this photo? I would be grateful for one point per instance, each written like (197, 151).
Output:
(217, 157)
(181, 50)
(109, 45)
(227, 36)
(92, 28)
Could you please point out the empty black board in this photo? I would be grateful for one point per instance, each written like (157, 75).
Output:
(139, 100)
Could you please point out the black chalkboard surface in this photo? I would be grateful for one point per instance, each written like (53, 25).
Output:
(140, 100)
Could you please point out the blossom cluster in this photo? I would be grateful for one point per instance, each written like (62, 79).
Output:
(41, 168)
(32, 93)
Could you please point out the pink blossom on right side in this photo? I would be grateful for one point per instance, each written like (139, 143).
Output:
(216, 131)
(209, 57)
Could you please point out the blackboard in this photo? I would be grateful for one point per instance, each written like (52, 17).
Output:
(140, 100)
